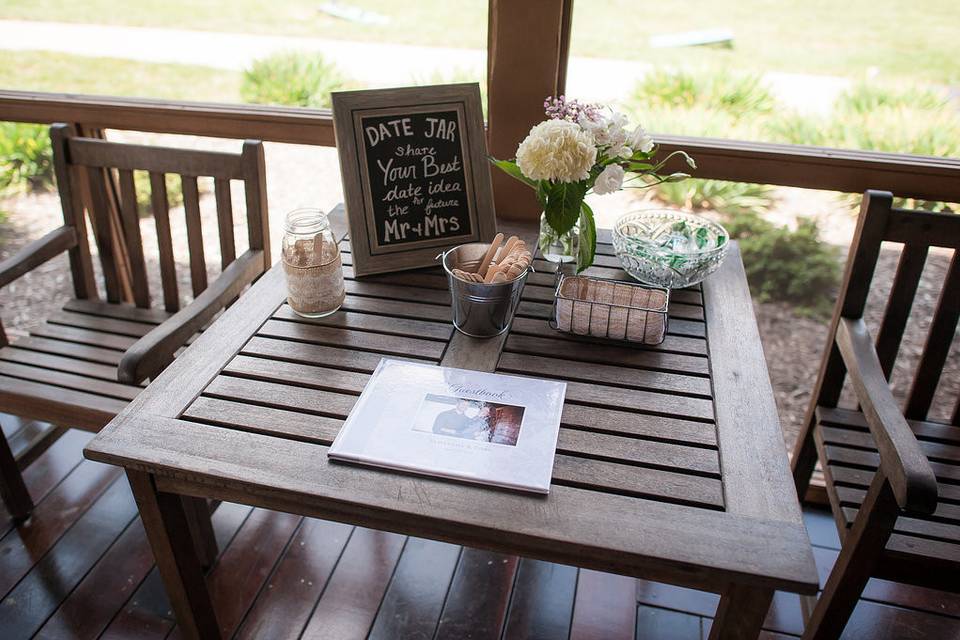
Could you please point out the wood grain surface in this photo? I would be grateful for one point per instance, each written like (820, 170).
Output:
(656, 473)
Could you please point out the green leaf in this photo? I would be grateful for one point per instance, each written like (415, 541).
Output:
(510, 168)
(588, 238)
(563, 204)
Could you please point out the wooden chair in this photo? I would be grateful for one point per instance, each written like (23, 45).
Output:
(82, 366)
(892, 475)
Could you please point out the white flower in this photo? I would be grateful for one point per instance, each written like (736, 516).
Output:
(639, 139)
(620, 151)
(557, 150)
(617, 126)
(609, 134)
(609, 180)
(596, 126)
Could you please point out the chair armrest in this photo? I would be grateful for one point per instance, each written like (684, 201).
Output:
(36, 253)
(149, 355)
(901, 460)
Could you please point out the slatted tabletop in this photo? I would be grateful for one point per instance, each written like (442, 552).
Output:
(670, 462)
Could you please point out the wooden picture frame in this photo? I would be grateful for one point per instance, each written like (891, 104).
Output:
(416, 178)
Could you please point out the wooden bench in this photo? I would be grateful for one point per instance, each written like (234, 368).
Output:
(892, 474)
(88, 360)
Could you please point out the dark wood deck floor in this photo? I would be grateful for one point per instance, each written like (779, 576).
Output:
(81, 568)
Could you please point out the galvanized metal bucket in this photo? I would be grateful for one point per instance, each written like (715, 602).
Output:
(479, 310)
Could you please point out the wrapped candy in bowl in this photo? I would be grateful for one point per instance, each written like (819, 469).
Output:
(668, 248)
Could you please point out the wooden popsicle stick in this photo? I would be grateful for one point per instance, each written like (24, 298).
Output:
(469, 276)
(488, 256)
(507, 249)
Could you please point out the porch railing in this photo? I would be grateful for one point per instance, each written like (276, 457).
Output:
(775, 164)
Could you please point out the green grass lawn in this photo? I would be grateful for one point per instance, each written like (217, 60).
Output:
(41, 71)
(916, 40)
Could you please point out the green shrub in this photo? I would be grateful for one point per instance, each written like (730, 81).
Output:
(666, 88)
(864, 98)
(696, 121)
(719, 195)
(746, 225)
(293, 79)
(872, 117)
(739, 95)
(917, 121)
(899, 130)
(26, 157)
(888, 129)
(785, 265)
(796, 128)
(926, 205)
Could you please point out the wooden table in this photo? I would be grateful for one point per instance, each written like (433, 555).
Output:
(670, 464)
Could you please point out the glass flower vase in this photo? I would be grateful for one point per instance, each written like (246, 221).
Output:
(556, 247)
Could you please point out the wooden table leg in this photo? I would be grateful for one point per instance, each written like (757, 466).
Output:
(167, 525)
(201, 529)
(13, 491)
(741, 613)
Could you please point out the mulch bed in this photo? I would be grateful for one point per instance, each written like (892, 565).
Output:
(794, 344)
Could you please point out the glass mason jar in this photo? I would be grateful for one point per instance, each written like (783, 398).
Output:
(558, 247)
(311, 261)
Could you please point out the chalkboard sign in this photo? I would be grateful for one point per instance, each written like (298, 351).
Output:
(415, 173)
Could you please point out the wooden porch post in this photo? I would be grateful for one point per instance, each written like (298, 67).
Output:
(527, 47)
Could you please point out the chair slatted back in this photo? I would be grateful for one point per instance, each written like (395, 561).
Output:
(939, 339)
(918, 232)
(85, 162)
(221, 191)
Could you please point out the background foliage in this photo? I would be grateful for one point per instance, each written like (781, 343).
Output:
(26, 158)
(292, 78)
(787, 265)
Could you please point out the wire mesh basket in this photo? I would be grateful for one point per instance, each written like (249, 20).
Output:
(610, 309)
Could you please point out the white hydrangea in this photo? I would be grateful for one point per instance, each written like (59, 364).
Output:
(609, 180)
(557, 150)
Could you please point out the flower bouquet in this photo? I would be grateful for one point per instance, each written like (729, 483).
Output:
(581, 148)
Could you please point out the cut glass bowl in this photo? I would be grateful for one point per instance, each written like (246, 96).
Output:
(668, 248)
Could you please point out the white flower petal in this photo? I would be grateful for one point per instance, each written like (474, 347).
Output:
(609, 180)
